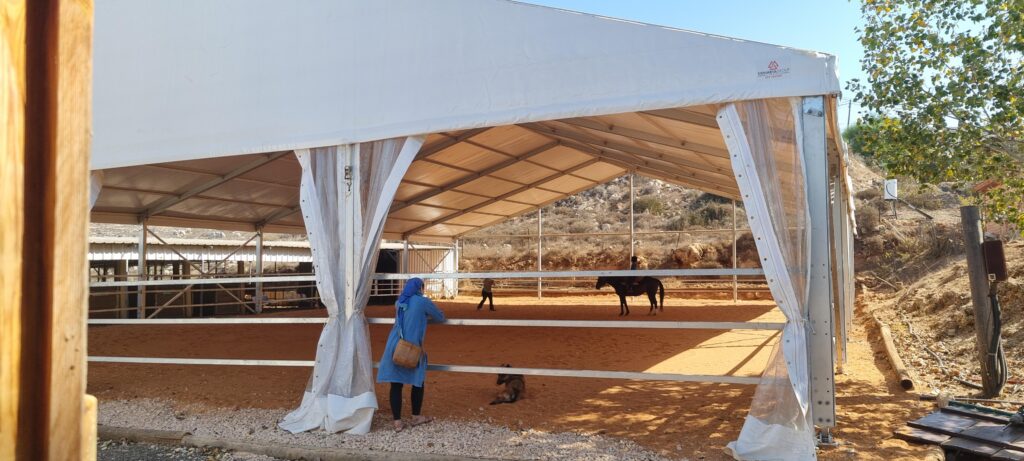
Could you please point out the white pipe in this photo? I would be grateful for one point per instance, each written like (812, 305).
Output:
(464, 275)
(630, 375)
(637, 324)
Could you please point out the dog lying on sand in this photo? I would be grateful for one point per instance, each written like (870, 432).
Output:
(515, 385)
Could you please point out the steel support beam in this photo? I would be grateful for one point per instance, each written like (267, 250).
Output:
(692, 167)
(500, 197)
(449, 141)
(632, 218)
(540, 251)
(143, 269)
(647, 160)
(819, 277)
(168, 202)
(652, 138)
(472, 177)
(259, 270)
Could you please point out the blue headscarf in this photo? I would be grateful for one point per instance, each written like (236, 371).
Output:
(413, 287)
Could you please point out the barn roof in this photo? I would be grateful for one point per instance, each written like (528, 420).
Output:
(197, 107)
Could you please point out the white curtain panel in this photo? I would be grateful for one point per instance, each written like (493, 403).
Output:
(95, 186)
(763, 138)
(345, 195)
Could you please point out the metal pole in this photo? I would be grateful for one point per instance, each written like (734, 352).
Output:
(820, 337)
(143, 270)
(259, 269)
(540, 250)
(632, 228)
(735, 240)
(970, 217)
(458, 265)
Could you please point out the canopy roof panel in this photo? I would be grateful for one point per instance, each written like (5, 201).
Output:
(195, 79)
(460, 181)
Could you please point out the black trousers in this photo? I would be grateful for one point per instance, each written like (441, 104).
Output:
(487, 296)
(396, 400)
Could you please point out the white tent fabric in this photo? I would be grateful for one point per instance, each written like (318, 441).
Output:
(195, 79)
(779, 425)
(345, 195)
(95, 187)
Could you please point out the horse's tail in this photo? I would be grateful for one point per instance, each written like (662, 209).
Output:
(661, 292)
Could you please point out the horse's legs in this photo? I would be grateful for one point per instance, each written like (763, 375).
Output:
(623, 307)
(654, 302)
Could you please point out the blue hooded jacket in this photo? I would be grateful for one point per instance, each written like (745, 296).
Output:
(411, 312)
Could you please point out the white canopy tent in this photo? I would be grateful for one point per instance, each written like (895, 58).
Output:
(452, 115)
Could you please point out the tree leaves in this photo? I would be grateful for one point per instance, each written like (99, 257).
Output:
(946, 82)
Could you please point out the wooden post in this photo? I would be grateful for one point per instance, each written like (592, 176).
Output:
(970, 218)
(45, 94)
(12, 216)
(120, 275)
(240, 272)
(186, 273)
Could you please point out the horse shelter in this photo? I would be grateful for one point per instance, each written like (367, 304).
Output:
(357, 121)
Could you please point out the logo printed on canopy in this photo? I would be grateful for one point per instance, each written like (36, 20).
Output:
(773, 68)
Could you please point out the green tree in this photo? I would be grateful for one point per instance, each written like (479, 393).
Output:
(857, 135)
(945, 78)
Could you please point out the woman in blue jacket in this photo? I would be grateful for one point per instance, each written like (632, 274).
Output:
(411, 312)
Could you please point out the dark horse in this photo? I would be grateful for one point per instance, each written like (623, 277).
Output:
(624, 286)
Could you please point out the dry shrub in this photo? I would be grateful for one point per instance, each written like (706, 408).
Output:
(868, 220)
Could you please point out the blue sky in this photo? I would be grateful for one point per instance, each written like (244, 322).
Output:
(819, 25)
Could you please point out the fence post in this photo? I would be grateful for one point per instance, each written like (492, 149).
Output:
(970, 218)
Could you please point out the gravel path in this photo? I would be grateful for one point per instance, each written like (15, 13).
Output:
(108, 450)
(445, 437)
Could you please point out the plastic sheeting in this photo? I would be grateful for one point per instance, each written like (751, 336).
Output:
(95, 187)
(763, 139)
(195, 79)
(345, 195)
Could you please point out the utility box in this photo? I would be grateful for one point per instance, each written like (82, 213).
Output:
(889, 190)
(995, 260)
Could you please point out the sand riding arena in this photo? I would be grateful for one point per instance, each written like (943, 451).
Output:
(658, 415)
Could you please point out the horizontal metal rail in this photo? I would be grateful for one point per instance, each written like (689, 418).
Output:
(556, 372)
(641, 324)
(462, 275)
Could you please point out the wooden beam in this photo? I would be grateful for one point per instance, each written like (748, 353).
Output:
(472, 177)
(12, 226)
(500, 197)
(56, 99)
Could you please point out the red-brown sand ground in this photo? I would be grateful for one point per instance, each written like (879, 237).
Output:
(699, 418)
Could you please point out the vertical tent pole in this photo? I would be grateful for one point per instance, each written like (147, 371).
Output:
(632, 221)
(259, 270)
(405, 264)
(458, 266)
(540, 250)
(143, 269)
(350, 225)
(839, 223)
(819, 276)
(735, 241)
